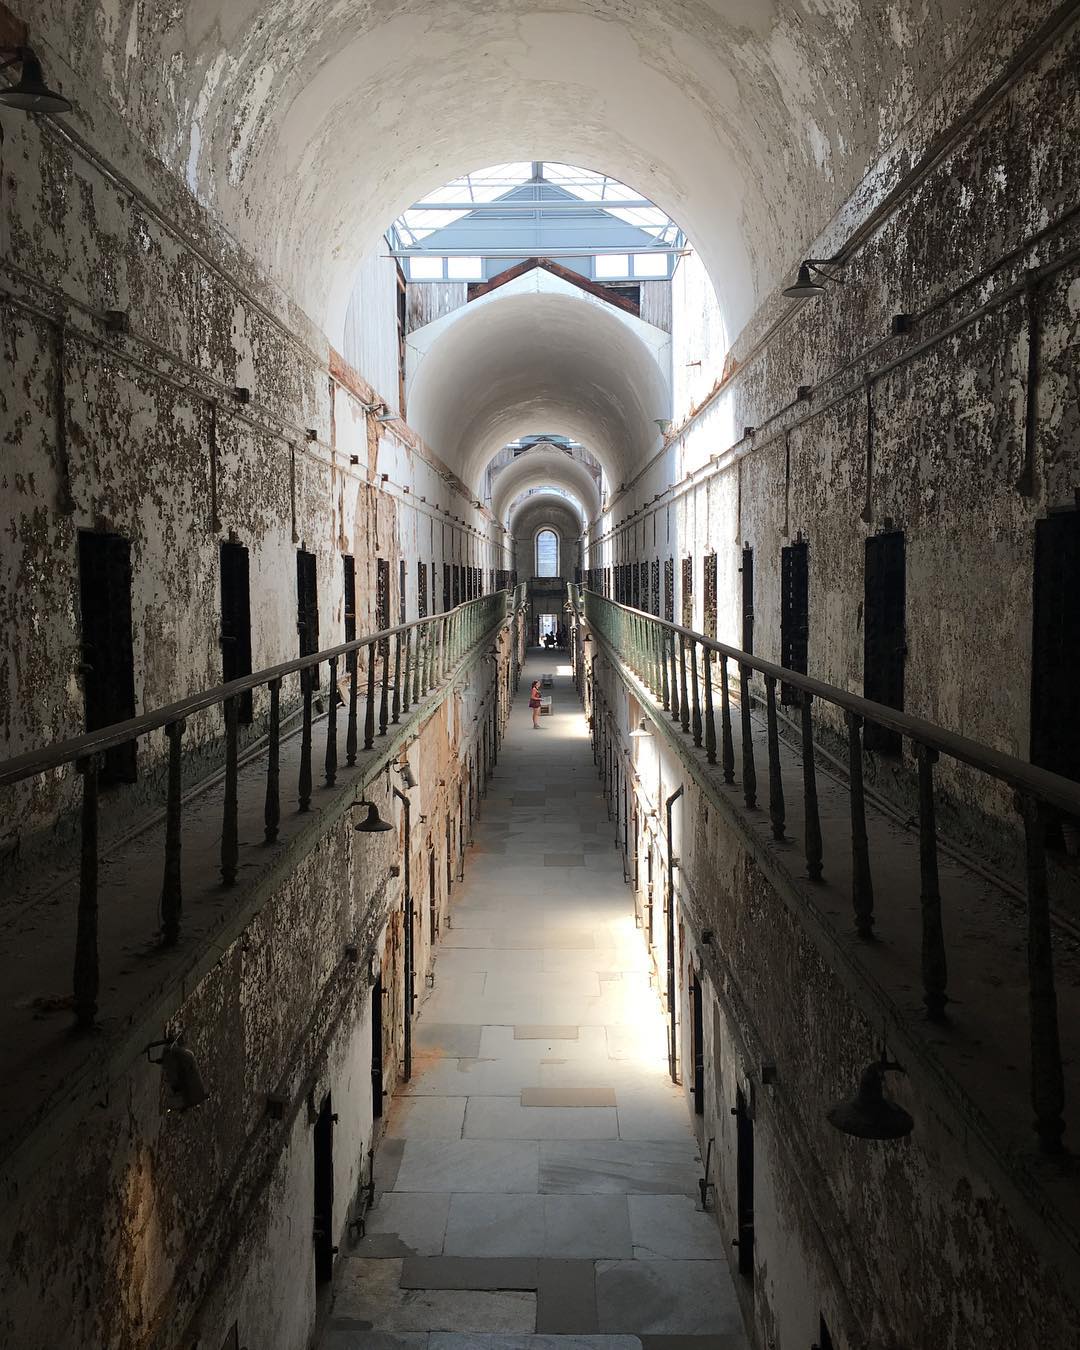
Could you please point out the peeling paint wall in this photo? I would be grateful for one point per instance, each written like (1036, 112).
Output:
(924, 431)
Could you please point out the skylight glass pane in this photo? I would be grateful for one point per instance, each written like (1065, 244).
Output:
(650, 265)
(425, 269)
(464, 269)
(611, 265)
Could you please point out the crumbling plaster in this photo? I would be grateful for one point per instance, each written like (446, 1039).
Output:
(947, 417)
(744, 121)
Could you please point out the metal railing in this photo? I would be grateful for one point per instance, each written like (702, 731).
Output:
(681, 669)
(403, 665)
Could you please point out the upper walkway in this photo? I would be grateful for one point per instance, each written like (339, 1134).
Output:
(539, 1175)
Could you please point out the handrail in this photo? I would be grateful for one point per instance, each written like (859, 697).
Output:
(33, 762)
(675, 666)
(404, 665)
(1018, 773)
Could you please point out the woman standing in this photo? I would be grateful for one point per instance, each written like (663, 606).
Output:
(534, 704)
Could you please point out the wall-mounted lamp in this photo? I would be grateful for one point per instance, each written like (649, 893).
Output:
(181, 1074)
(372, 823)
(664, 425)
(241, 393)
(31, 94)
(641, 732)
(870, 1114)
(312, 434)
(805, 287)
(116, 321)
(386, 416)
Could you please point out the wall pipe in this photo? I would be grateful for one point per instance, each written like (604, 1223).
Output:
(672, 863)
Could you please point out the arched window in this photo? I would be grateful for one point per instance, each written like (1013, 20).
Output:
(547, 554)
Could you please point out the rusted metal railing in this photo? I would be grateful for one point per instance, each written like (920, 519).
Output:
(680, 669)
(425, 653)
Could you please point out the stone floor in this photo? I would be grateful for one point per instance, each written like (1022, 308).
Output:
(537, 1185)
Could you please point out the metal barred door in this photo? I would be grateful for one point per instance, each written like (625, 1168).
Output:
(1055, 645)
(236, 621)
(108, 660)
(884, 647)
(794, 613)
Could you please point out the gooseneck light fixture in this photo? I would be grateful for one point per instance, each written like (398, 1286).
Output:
(870, 1114)
(31, 94)
(805, 287)
(372, 823)
(181, 1074)
(641, 732)
(408, 778)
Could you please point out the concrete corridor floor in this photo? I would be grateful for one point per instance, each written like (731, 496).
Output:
(537, 1183)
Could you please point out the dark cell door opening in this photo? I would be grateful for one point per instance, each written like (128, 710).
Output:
(655, 606)
(402, 590)
(377, 1048)
(824, 1340)
(883, 634)
(688, 592)
(747, 572)
(382, 594)
(1055, 650)
(236, 621)
(669, 589)
(107, 653)
(744, 1183)
(697, 1032)
(349, 565)
(455, 593)
(307, 607)
(446, 587)
(709, 595)
(794, 614)
(323, 1230)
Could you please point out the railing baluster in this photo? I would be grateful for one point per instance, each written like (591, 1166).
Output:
(661, 661)
(675, 714)
(171, 887)
(86, 975)
(369, 710)
(272, 806)
(749, 768)
(407, 671)
(396, 712)
(304, 784)
(350, 733)
(776, 782)
(1047, 1081)
(710, 715)
(684, 701)
(330, 766)
(384, 690)
(862, 886)
(934, 965)
(697, 693)
(230, 845)
(812, 821)
(726, 738)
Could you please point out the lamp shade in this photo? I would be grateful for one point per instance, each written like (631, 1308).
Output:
(805, 286)
(641, 732)
(372, 823)
(32, 95)
(870, 1114)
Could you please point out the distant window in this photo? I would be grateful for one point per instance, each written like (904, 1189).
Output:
(465, 269)
(425, 269)
(650, 264)
(610, 265)
(547, 554)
